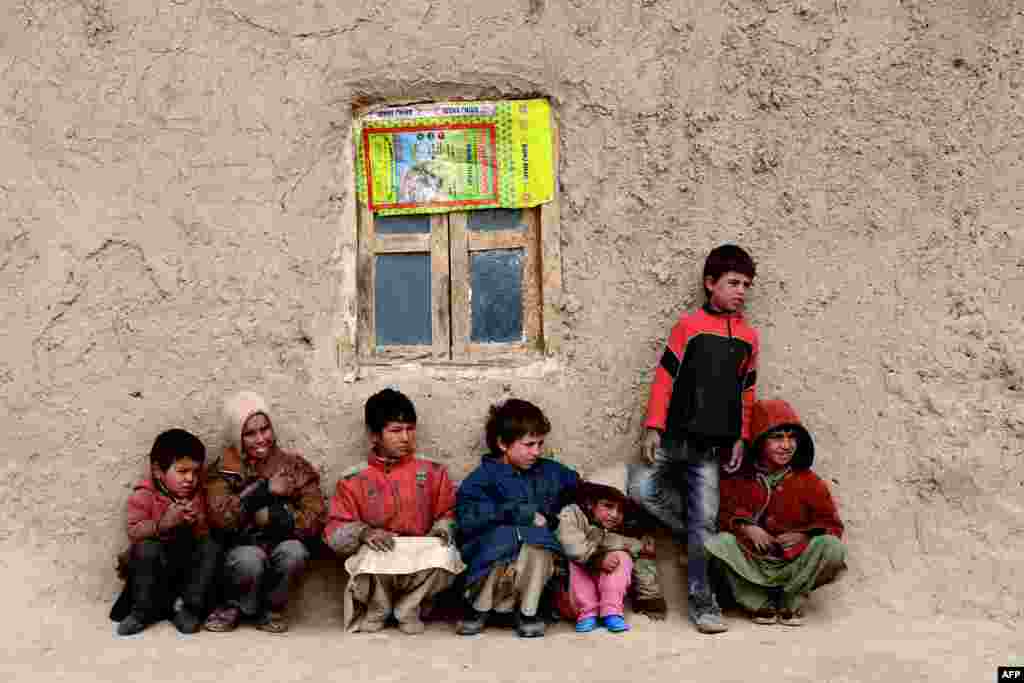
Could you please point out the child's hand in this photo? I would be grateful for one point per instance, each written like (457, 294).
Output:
(762, 540)
(735, 458)
(380, 540)
(173, 517)
(791, 538)
(609, 563)
(652, 441)
(281, 484)
(539, 519)
(191, 514)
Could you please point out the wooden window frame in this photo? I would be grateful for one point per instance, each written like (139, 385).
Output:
(450, 244)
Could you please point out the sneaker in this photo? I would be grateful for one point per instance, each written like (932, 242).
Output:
(791, 617)
(185, 621)
(132, 624)
(615, 623)
(473, 623)
(586, 624)
(705, 614)
(530, 627)
(412, 627)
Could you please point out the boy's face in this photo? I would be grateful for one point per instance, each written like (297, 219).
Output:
(778, 448)
(523, 452)
(729, 292)
(181, 478)
(257, 437)
(608, 513)
(395, 441)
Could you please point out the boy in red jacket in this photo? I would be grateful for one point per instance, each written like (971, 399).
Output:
(393, 518)
(697, 415)
(781, 532)
(172, 562)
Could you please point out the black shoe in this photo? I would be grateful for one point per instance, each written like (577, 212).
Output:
(530, 627)
(132, 624)
(472, 624)
(185, 621)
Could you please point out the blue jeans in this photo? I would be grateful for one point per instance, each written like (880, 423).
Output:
(681, 490)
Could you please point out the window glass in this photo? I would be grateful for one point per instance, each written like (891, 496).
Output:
(402, 225)
(402, 301)
(496, 292)
(486, 220)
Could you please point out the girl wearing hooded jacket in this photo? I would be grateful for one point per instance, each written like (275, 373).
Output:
(265, 504)
(780, 529)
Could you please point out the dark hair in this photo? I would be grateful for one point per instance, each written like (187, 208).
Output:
(386, 406)
(174, 445)
(725, 258)
(514, 419)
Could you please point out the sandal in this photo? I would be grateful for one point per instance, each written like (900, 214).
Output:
(271, 622)
(223, 619)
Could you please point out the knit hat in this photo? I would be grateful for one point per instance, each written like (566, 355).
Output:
(237, 410)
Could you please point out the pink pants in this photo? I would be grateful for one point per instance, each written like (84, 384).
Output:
(596, 593)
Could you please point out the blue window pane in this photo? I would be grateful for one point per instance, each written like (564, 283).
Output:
(486, 220)
(497, 294)
(402, 225)
(402, 302)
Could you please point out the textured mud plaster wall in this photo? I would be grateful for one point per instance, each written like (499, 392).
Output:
(176, 213)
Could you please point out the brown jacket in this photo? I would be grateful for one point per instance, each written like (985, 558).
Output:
(230, 475)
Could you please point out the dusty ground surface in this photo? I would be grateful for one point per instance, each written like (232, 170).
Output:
(864, 645)
(176, 223)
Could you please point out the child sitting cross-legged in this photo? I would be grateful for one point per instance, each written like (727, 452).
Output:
(601, 534)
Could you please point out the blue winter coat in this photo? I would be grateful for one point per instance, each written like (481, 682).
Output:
(495, 506)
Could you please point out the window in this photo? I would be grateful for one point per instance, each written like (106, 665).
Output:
(462, 286)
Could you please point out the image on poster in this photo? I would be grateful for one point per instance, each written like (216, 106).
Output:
(453, 156)
(441, 165)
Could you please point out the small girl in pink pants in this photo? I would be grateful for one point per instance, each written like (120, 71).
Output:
(601, 555)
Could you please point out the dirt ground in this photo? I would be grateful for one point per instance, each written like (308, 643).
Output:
(861, 645)
(177, 223)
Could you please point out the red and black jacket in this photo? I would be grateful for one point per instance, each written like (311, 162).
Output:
(704, 385)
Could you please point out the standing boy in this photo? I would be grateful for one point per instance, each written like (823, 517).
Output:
(699, 414)
(392, 517)
(171, 555)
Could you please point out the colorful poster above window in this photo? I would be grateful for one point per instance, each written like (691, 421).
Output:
(453, 156)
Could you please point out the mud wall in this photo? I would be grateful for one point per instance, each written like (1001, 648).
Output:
(176, 208)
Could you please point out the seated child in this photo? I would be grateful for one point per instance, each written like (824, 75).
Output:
(507, 515)
(781, 530)
(172, 562)
(601, 536)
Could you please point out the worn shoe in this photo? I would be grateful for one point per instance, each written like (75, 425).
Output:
(705, 614)
(132, 624)
(530, 627)
(791, 617)
(473, 623)
(615, 623)
(271, 622)
(586, 624)
(766, 616)
(223, 619)
(412, 628)
(185, 621)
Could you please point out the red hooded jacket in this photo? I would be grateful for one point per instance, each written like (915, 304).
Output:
(800, 502)
(148, 503)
